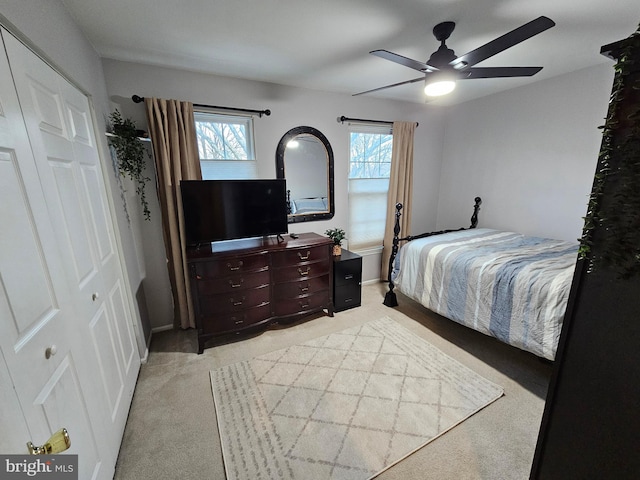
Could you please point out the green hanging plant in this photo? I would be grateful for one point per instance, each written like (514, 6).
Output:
(131, 154)
(613, 213)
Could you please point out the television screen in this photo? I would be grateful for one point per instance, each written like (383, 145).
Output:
(217, 210)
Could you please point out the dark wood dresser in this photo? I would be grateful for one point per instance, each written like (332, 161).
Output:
(250, 284)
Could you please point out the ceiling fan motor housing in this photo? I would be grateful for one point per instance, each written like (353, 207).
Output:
(441, 57)
(444, 55)
(443, 30)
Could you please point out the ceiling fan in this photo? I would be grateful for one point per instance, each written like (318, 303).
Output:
(443, 67)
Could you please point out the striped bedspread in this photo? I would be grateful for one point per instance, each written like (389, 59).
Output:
(503, 284)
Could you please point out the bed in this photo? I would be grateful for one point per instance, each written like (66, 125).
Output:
(309, 205)
(306, 205)
(504, 284)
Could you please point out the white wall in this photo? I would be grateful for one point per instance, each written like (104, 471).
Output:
(46, 27)
(291, 107)
(530, 153)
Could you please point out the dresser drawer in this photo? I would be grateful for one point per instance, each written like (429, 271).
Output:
(235, 301)
(302, 271)
(301, 304)
(300, 256)
(235, 321)
(233, 283)
(231, 265)
(297, 288)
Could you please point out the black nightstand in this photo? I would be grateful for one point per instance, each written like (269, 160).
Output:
(347, 278)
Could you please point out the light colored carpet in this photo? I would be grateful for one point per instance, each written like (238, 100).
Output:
(343, 406)
(172, 431)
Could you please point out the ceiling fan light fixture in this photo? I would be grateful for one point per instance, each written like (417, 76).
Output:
(438, 85)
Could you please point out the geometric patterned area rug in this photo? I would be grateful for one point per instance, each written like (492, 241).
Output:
(345, 406)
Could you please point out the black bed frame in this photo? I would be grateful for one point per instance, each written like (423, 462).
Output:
(390, 299)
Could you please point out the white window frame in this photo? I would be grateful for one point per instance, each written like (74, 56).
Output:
(227, 168)
(367, 198)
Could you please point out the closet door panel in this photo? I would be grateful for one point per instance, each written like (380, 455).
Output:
(40, 343)
(72, 232)
(59, 124)
(22, 253)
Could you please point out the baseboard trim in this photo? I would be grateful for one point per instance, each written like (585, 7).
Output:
(162, 328)
(145, 357)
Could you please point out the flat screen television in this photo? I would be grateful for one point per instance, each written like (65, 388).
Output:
(216, 210)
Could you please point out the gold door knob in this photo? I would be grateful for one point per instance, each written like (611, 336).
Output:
(58, 442)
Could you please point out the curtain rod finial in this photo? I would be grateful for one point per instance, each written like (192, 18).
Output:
(137, 99)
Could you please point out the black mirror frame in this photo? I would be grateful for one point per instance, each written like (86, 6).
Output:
(308, 217)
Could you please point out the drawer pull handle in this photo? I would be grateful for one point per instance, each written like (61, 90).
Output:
(236, 285)
(304, 273)
(238, 322)
(237, 303)
(237, 267)
(306, 257)
(304, 288)
(304, 305)
(348, 277)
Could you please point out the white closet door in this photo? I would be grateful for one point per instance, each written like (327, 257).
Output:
(62, 280)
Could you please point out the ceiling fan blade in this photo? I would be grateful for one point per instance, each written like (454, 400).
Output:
(407, 62)
(389, 86)
(507, 40)
(497, 72)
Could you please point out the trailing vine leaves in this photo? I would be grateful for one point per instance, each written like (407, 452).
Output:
(613, 214)
(131, 154)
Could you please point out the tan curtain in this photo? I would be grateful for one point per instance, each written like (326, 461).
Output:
(175, 148)
(400, 187)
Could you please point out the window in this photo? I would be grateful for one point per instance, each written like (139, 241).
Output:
(369, 169)
(225, 146)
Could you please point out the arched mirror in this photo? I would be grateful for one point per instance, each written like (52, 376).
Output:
(305, 159)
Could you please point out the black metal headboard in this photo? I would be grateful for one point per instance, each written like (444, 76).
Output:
(390, 299)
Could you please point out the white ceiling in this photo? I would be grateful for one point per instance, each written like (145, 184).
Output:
(325, 44)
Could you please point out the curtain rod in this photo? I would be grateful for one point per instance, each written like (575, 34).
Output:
(139, 99)
(343, 119)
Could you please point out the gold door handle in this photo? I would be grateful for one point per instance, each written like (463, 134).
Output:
(58, 442)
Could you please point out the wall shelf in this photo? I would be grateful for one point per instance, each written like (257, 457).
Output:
(142, 139)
